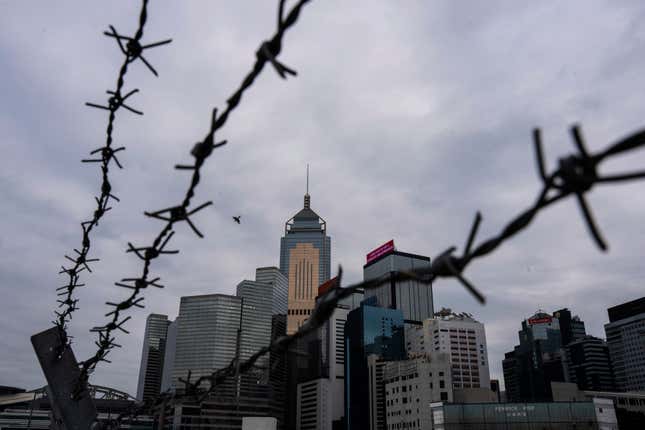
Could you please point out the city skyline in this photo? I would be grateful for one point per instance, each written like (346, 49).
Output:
(389, 135)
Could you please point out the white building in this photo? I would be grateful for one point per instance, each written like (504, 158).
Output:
(376, 366)
(411, 385)
(462, 338)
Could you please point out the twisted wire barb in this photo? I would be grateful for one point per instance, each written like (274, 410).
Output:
(576, 175)
(104, 155)
(268, 52)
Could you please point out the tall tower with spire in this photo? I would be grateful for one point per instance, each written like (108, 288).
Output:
(305, 259)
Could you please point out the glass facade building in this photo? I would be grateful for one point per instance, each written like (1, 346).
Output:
(413, 298)
(152, 357)
(305, 258)
(279, 285)
(536, 362)
(206, 335)
(369, 330)
(257, 299)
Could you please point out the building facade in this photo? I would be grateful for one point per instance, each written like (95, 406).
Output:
(413, 298)
(537, 361)
(329, 379)
(152, 357)
(207, 335)
(598, 414)
(169, 356)
(462, 339)
(305, 259)
(280, 287)
(368, 330)
(589, 365)
(626, 340)
(411, 385)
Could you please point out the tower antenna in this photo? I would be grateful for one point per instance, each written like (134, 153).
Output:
(307, 178)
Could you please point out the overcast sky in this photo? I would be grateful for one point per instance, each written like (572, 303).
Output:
(413, 116)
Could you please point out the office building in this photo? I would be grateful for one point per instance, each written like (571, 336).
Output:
(207, 335)
(537, 361)
(572, 328)
(369, 330)
(462, 338)
(322, 382)
(257, 304)
(626, 340)
(278, 372)
(305, 258)
(411, 385)
(169, 356)
(413, 298)
(152, 357)
(589, 365)
(279, 285)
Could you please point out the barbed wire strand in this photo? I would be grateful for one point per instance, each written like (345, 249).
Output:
(576, 175)
(267, 52)
(106, 154)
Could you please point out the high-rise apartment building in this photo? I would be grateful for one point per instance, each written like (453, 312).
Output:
(369, 330)
(462, 338)
(305, 259)
(152, 357)
(207, 335)
(589, 365)
(413, 298)
(626, 340)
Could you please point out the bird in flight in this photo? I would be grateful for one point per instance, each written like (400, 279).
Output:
(237, 218)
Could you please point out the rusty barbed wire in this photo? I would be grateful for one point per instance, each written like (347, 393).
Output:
(267, 52)
(104, 155)
(576, 175)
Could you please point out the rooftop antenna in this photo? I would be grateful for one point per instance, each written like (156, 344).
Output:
(307, 198)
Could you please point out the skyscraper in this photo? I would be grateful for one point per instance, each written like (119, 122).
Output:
(626, 341)
(279, 285)
(413, 298)
(152, 357)
(368, 330)
(537, 361)
(257, 304)
(206, 335)
(305, 258)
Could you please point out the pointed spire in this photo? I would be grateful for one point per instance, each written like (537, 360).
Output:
(307, 197)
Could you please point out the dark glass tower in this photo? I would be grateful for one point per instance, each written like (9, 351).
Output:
(152, 357)
(368, 330)
(536, 362)
(305, 258)
(413, 298)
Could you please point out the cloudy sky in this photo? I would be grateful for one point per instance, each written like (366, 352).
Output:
(413, 116)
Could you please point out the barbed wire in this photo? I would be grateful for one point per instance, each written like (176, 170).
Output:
(267, 52)
(104, 155)
(576, 175)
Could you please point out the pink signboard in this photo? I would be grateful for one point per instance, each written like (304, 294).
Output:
(381, 250)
